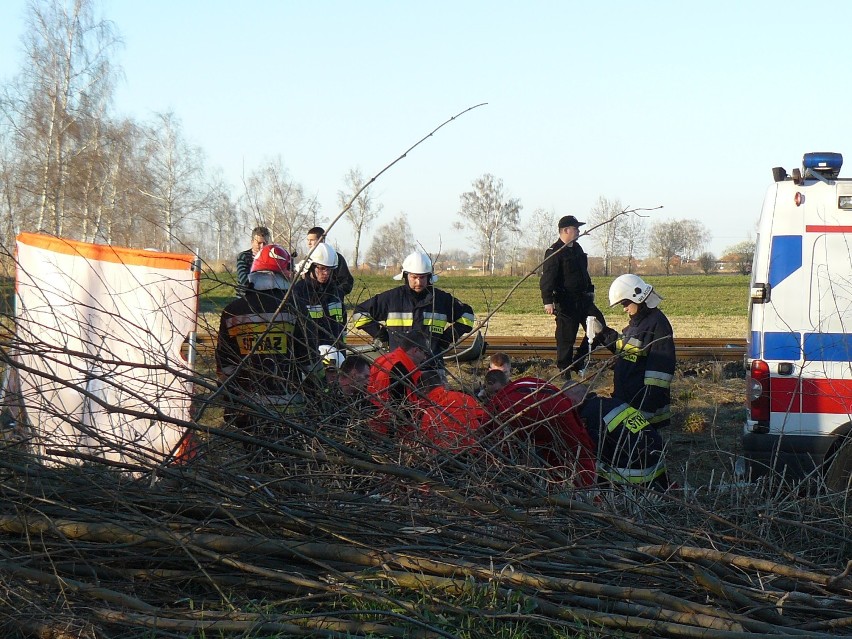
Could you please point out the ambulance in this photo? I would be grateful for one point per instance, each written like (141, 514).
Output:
(799, 354)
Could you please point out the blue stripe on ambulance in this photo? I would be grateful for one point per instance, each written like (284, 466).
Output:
(828, 347)
(784, 346)
(785, 258)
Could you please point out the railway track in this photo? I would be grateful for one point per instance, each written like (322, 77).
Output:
(687, 347)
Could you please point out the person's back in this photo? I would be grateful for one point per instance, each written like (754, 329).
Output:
(449, 418)
(537, 411)
(262, 349)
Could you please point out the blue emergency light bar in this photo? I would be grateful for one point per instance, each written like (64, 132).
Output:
(823, 162)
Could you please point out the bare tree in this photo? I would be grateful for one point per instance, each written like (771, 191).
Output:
(605, 215)
(742, 254)
(541, 229)
(707, 263)
(275, 200)
(364, 209)
(697, 238)
(490, 216)
(392, 242)
(65, 85)
(677, 238)
(634, 237)
(174, 179)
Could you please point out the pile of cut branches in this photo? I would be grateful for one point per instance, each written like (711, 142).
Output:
(340, 533)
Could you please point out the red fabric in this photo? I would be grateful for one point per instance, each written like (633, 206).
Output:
(450, 418)
(382, 378)
(541, 412)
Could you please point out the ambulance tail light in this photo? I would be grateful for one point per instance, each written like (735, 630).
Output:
(758, 389)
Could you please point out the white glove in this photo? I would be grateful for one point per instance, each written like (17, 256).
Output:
(593, 327)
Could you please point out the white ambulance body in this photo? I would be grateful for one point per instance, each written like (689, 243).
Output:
(799, 356)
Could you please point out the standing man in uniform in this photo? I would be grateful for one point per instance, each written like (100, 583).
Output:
(341, 276)
(568, 293)
(260, 237)
(415, 306)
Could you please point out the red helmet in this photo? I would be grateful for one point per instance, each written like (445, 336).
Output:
(272, 257)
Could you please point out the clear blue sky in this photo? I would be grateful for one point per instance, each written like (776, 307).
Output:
(682, 104)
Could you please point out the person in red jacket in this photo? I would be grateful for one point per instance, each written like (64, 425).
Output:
(449, 418)
(542, 417)
(393, 380)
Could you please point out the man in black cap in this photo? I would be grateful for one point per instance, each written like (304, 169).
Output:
(568, 293)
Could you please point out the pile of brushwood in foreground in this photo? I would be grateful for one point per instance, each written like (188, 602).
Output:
(342, 534)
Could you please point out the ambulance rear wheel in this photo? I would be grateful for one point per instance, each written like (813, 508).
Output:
(839, 474)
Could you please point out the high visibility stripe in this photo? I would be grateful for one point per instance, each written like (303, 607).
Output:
(656, 378)
(631, 475)
(625, 415)
(466, 320)
(632, 347)
(361, 319)
(260, 318)
(660, 415)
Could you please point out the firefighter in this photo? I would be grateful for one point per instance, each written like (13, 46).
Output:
(645, 351)
(415, 305)
(629, 448)
(264, 347)
(319, 297)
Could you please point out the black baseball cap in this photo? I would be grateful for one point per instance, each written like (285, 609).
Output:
(569, 220)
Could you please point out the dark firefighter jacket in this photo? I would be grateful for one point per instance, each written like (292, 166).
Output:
(645, 365)
(275, 359)
(323, 305)
(433, 311)
(630, 450)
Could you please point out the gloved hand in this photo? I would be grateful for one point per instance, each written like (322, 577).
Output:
(593, 327)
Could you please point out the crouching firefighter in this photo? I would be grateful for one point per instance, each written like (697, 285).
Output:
(264, 351)
(629, 448)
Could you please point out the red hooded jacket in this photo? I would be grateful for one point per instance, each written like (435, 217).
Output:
(540, 413)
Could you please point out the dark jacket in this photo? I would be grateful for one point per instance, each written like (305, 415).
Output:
(630, 450)
(565, 278)
(645, 365)
(244, 261)
(433, 311)
(287, 350)
(323, 306)
(342, 277)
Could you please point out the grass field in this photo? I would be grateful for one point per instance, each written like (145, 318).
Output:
(697, 305)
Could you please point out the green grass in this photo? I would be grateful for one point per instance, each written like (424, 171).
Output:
(685, 295)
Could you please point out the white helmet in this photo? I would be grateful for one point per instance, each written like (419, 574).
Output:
(419, 264)
(330, 356)
(324, 255)
(634, 289)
